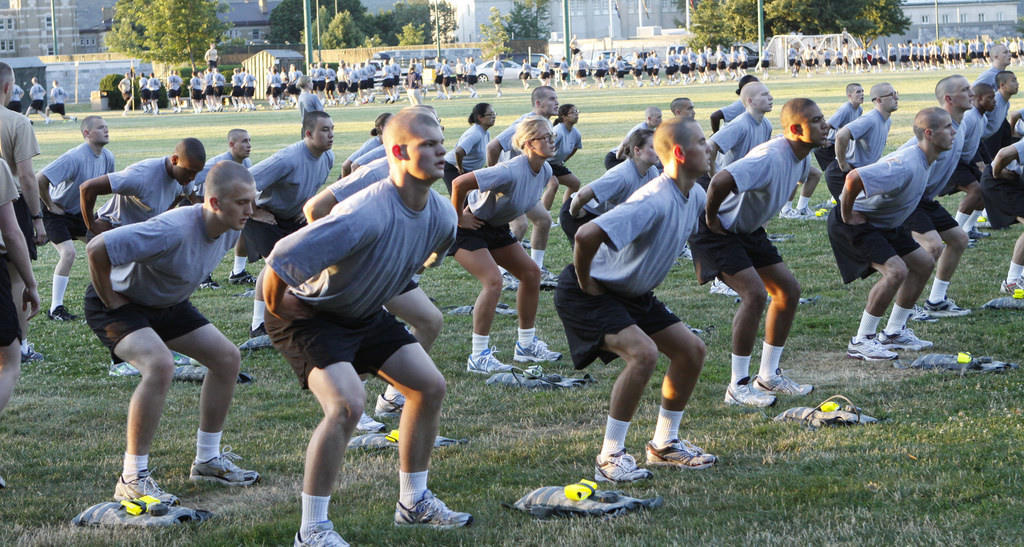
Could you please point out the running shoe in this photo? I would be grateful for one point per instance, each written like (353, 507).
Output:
(945, 308)
(780, 383)
(486, 363)
(619, 467)
(209, 283)
(679, 454)
(719, 287)
(389, 408)
(1009, 286)
(904, 339)
(918, 313)
(430, 511)
(867, 348)
(222, 470)
(322, 535)
(367, 423)
(535, 352)
(60, 313)
(143, 485)
(241, 278)
(742, 395)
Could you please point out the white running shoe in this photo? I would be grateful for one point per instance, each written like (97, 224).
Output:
(920, 314)
(719, 287)
(430, 511)
(222, 469)
(486, 363)
(143, 485)
(1009, 286)
(367, 423)
(780, 383)
(741, 394)
(679, 454)
(537, 351)
(904, 339)
(322, 535)
(867, 348)
(509, 282)
(619, 467)
(389, 408)
(945, 308)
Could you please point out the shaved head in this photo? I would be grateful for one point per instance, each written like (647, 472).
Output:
(797, 112)
(681, 131)
(930, 118)
(948, 85)
(223, 177)
(191, 149)
(406, 123)
(880, 89)
(6, 74)
(90, 122)
(750, 90)
(236, 135)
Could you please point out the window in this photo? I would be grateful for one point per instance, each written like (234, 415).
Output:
(48, 23)
(945, 18)
(10, 23)
(256, 34)
(981, 17)
(963, 17)
(2, 21)
(999, 16)
(49, 50)
(924, 19)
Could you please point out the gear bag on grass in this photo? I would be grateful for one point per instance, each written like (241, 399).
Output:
(550, 501)
(111, 513)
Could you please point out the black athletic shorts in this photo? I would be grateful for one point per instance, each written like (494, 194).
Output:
(485, 237)
(249, 91)
(65, 227)
(858, 246)
(570, 224)
(438, 79)
(326, 339)
(928, 216)
(331, 86)
(320, 85)
(145, 94)
(236, 91)
(15, 106)
(559, 169)
(472, 79)
(111, 326)
(611, 161)
(581, 74)
(498, 80)
(621, 74)
(197, 95)
(835, 178)
(220, 90)
(276, 92)
(588, 319)
(292, 90)
(57, 108)
(209, 91)
(1004, 198)
(261, 237)
(211, 64)
(10, 329)
(825, 155)
(450, 172)
(730, 253)
(25, 223)
(173, 93)
(523, 76)
(37, 105)
(671, 70)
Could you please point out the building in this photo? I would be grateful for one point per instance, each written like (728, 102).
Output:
(962, 19)
(588, 18)
(250, 19)
(26, 28)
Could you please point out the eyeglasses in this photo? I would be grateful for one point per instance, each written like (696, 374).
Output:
(550, 137)
(894, 95)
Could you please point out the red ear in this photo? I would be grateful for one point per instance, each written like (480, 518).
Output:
(396, 151)
(679, 154)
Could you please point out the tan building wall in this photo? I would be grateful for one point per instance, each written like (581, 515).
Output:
(26, 28)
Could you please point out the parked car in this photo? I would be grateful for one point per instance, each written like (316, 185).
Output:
(485, 71)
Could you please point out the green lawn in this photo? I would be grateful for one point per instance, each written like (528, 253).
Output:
(943, 466)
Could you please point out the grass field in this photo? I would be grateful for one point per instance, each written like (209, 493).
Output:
(944, 466)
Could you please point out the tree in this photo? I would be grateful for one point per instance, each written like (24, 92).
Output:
(172, 31)
(528, 20)
(885, 17)
(342, 32)
(372, 41)
(286, 23)
(709, 28)
(495, 34)
(411, 35)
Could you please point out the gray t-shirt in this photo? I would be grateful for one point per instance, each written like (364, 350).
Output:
(646, 233)
(868, 134)
(732, 111)
(375, 153)
(943, 166)
(73, 168)
(972, 126)
(161, 262)
(893, 187)
(566, 142)
(843, 116)
(200, 180)
(361, 178)
(996, 117)
(370, 144)
(507, 190)
(505, 137)
(637, 127)
(353, 261)
(288, 178)
(474, 143)
(765, 180)
(740, 136)
(142, 191)
(309, 102)
(616, 185)
(988, 77)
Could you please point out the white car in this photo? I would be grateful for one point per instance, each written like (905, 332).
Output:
(485, 71)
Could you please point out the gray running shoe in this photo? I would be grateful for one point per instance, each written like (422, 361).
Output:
(3, 484)
(679, 454)
(904, 339)
(31, 355)
(742, 395)
(509, 282)
(537, 351)
(430, 511)
(123, 369)
(389, 408)
(367, 423)
(780, 383)
(548, 280)
(322, 535)
(486, 363)
(143, 485)
(945, 308)
(223, 470)
(920, 314)
(1009, 286)
(867, 348)
(719, 287)
(619, 467)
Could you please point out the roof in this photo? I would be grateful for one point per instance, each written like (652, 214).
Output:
(243, 13)
(917, 3)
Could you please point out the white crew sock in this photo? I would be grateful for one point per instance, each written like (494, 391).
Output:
(411, 487)
(897, 319)
(259, 308)
(538, 257)
(314, 511)
(1015, 271)
(770, 356)
(480, 343)
(60, 286)
(740, 368)
(207, 445)
(24, 345)
(668, 426)
(972, 221)
(526, 336)
(802, 202)
(240, 262)
(614, 437)
(938, 293)
(961, 219)
(133, 464)
(868, 325)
